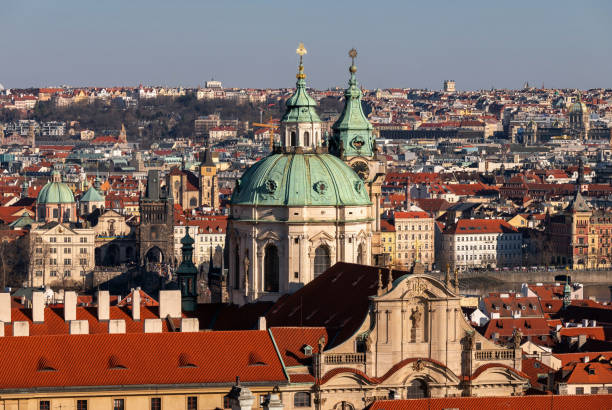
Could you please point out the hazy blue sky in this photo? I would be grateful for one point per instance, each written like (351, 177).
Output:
(251, 43)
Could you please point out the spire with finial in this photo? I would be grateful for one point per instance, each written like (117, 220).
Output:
(448, 278)
(456, 280)
(352, 130)
(301, 124)
(301, 51)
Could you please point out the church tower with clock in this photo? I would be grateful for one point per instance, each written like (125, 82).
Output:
(354, 143)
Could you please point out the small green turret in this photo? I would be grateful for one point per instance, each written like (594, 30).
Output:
(187, 275)
(567, 294)
(352, 131)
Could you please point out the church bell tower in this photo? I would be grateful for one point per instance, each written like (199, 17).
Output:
(353, 141)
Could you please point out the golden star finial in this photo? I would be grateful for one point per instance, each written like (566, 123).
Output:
(301, 50)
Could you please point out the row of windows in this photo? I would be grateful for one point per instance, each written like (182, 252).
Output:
(490, 257)
(53, 262)
(406, 236)
(485, 247)
(119, 404)
(399, 246)
(472, 238)
(67, 239)
(414, 227)
(200, 238)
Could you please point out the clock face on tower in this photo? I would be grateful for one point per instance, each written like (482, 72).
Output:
(361, 169)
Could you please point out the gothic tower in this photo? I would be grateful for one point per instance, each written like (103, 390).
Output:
(354, 142)
(209, 190)
(156, 229)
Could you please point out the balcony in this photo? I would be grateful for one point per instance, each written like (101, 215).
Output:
(345, 358)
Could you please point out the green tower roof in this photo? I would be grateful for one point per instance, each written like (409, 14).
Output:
(55, 191)
(352, 131)
(300, 179)
(301, 106)
(92, 195)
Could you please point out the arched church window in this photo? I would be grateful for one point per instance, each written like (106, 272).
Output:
(237, 268)
(322, 260)
(271, 269)
(360, 254)
(294, 142)
(306, 138)
(417, 389)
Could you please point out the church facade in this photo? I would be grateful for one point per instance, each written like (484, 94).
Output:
(296, 212)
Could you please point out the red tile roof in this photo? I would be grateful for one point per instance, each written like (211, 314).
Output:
(338, 300)
(480, 226)
(548, 402)
(590, 373)
(291, 340)
(411, 215)
(138, 359)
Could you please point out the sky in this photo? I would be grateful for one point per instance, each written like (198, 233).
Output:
(251, 43)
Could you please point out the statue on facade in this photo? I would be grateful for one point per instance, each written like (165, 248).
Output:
(416, 316)
(517, 336)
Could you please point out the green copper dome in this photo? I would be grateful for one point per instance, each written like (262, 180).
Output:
(300, 179)
(55, 192)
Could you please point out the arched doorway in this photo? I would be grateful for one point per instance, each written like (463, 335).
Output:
(322, 260)
(113, 255)
(417, 389)
(154, 255)
(271, 269)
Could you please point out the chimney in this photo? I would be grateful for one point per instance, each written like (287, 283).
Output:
(581, 340)
(79, 327)
(261, 323)
(169, 303)
(70, 301)
(103, 305)
(153, 325)
(116, 326)
(21, 328)
(135, 304)
(5, 308)
(190, 325)
(38, 307)
(585, 359)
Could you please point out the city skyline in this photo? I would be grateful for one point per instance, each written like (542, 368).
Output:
(252, 45)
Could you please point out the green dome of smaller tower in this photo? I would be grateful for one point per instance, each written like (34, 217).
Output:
(301, 106)
(352, 131)
(55, 191)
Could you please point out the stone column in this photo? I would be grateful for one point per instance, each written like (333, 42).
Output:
(274, 402)
(241, 397)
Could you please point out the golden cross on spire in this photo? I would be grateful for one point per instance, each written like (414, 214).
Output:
(353, 54)
(301, 50)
